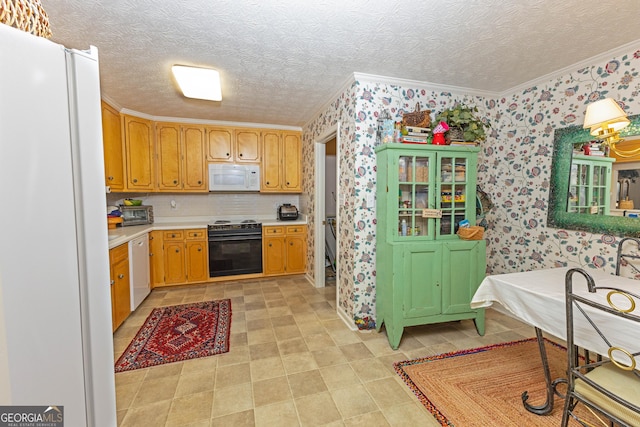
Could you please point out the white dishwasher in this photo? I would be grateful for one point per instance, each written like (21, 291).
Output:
(139, 269)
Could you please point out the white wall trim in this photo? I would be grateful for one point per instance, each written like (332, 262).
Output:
(372, 78)
(345, 318)
(589, 62)
(202, 122)
(350, 80)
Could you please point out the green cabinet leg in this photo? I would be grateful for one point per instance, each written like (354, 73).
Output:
(394, 334)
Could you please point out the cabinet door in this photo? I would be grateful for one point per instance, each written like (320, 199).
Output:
(271, 155)
(220, 144)
(247, 145)
(169, 156)
(156, 258)
(122, 293)
(174, 262)
(456, 174)
(113, 149)
(413, 171)
(194, 164)
(463, 269)
(296, 254)
(274, 251)
(197, 261)
(139, 153)
(291, 162)
(422, 284)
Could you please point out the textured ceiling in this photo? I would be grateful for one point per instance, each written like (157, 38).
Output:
(281, 60)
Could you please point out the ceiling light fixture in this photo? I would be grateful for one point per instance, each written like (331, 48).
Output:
(198, 83)
(605, 119)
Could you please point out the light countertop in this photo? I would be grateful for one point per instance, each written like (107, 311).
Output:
(121, 235)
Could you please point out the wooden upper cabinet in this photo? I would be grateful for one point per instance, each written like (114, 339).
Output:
(112, 145)
(291, 162)
(181, 162)
(220, 144)
(236, 145)
(281, 162)
(139, 151)
(194, 164)
(169, 155)
(271, 155)
(247, 145)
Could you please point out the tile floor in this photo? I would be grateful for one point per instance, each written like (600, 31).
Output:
(292, 362)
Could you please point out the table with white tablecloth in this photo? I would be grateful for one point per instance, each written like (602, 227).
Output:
(538, 298)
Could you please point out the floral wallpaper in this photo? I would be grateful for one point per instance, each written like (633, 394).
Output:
(514, 170)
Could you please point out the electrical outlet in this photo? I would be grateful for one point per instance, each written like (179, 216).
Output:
(371, 200)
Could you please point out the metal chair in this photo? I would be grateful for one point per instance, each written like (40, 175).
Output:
(608, 388)
(626, 256)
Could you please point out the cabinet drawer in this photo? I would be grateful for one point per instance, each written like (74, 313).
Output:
(273, 231)
(296, 229)
(173, 235)
(200, 234)
(119, 253)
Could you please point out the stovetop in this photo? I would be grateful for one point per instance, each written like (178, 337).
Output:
(228, 221)
(225, 224)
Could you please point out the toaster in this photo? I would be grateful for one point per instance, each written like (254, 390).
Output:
(287, 212)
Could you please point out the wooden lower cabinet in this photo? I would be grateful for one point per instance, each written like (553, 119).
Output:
(156, 258)
(185, 257)
(284, 249)
(120, 290)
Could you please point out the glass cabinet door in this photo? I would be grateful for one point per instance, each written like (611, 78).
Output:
(589, 186)
(456, 191)
(414, 187)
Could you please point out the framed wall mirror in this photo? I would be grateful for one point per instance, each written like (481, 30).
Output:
(558, 215)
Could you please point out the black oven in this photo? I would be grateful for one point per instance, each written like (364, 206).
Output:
(235, 248)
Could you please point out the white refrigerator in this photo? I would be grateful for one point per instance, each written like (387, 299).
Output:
(56, 344)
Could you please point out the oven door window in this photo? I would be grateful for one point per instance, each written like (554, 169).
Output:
(229, 256)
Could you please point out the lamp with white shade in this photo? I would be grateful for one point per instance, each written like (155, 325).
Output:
(605, 119)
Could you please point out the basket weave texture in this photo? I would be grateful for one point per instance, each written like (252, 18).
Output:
(25, 15)
(474, 232)
(417, 118)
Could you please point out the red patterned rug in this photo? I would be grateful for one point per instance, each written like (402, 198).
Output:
(179, 332)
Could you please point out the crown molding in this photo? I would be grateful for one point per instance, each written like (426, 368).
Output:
(372, 78)
(589, 62)
(205, 122)
(348, 82)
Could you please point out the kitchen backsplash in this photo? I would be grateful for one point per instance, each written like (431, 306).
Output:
(212, 204)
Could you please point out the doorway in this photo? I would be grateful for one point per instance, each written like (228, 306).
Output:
(327, 195)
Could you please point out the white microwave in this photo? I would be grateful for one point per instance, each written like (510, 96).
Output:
(234, 177)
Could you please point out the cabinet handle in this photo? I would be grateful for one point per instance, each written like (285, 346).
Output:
(112, 282)
(267, 182)
(199, 249)
(240, 154)
(227, 154)
(135, 180)
(173, 235)
(175, 181)
(110, 178)
(150, 237)
(199, 182)
(291, 244)
(177, 250)
(270, 244)
(151, 254)
(120, 276)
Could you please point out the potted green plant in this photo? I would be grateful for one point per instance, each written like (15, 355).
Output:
(463, 123)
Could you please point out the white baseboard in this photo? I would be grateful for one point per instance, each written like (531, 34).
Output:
(346, 319)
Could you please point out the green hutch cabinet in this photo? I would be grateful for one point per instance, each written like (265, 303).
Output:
(590, 184)
(424, 272)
